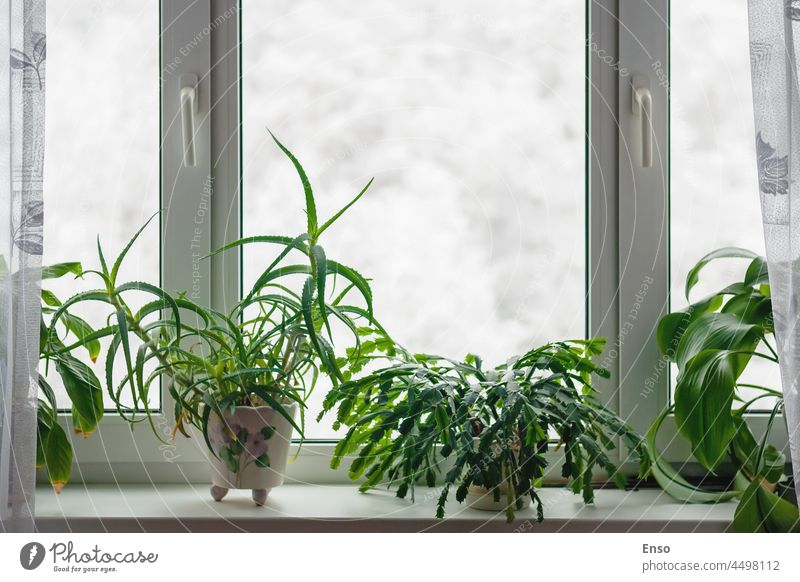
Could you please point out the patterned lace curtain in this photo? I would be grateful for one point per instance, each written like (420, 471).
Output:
(22, 36)
(774, 36)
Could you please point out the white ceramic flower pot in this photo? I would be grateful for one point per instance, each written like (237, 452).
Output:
(252, 449)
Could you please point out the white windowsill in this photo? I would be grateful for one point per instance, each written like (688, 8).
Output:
(337, 508)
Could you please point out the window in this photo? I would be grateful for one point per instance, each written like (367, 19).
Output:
(513, 202)
(471, 120)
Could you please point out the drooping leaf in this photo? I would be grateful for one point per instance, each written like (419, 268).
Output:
(49, 298)
(717, 331)
(671, 481)
(57, 457)
(672, 326)
(703, 398)
(83, 332)
(83, 389)
(757, 272)
(693, 276)
(356, 279)
(61, 269)
(760, 511)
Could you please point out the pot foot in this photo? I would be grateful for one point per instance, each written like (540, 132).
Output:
(218, 493)
(260, 496)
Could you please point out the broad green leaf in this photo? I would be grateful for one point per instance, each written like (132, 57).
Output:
(717, 331)
(83, 388)
(47, 390)
(757, 272)
(744, 445)
(61, 269)
(703, 399)
(42, 432)
(773, 464)
(80, 425)
(672, 326)
(728, 252)
(751, 308)
(57, 454)
(82, 330)
(50, 299)
(760, 511)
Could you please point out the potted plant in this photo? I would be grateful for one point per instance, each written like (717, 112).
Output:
(240, 378)
(711, 342)
(53, 445)
(485, 430)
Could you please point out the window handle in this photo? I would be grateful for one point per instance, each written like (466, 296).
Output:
(642, 106)
(189, 107)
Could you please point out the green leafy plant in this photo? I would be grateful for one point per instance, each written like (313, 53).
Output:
(53, 445)
(490, 428)
(712, 341)
(268, 350)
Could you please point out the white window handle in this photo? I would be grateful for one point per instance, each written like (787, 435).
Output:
(642, 104)
(189, 107)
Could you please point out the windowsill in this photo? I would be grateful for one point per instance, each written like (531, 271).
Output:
(339, 508)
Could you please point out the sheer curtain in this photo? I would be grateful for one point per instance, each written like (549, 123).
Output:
(23, 42)
(774, 37)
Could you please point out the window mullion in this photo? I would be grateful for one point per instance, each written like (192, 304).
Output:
(643, 209)
(225, 154)
(186, 188)
(602, 165)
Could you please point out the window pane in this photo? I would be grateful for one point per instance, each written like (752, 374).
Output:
(102, 169)
(471, 120)
(714, 187)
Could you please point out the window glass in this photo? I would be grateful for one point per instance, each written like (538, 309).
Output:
(101, 168)
(470, 116)
(714, 198)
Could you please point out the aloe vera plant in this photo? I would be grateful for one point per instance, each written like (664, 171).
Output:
(712, 341)
(268, 350)
(426, 418)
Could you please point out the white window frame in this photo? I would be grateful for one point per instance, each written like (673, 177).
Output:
(627, 224)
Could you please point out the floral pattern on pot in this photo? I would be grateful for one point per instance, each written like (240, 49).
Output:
(242, 440)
